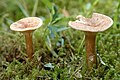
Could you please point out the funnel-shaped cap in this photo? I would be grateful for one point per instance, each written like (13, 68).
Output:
(26, 24)
(98, 22)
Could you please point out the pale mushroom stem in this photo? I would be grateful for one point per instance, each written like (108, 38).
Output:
(29, 44)
(91, 57)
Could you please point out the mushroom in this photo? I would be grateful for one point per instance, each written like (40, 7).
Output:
(27, 26)
(97, 23)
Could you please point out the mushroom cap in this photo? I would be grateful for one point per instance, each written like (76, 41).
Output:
(97, 23)
(26, 24)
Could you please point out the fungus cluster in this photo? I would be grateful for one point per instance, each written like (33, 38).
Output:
(91, 26)
(27, 26)
(97, 23)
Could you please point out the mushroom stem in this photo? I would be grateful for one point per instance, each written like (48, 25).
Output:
(91, 57)
(29, 44)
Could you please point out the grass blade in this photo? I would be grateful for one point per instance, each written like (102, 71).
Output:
(35, 8)
(22, 8)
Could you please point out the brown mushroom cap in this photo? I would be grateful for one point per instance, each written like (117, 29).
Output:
(26, 24)
(97, 23)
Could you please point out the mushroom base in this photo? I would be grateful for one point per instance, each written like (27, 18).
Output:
(91, 56)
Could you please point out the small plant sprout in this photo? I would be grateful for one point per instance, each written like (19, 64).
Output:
(97, 23)
(27, 26)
